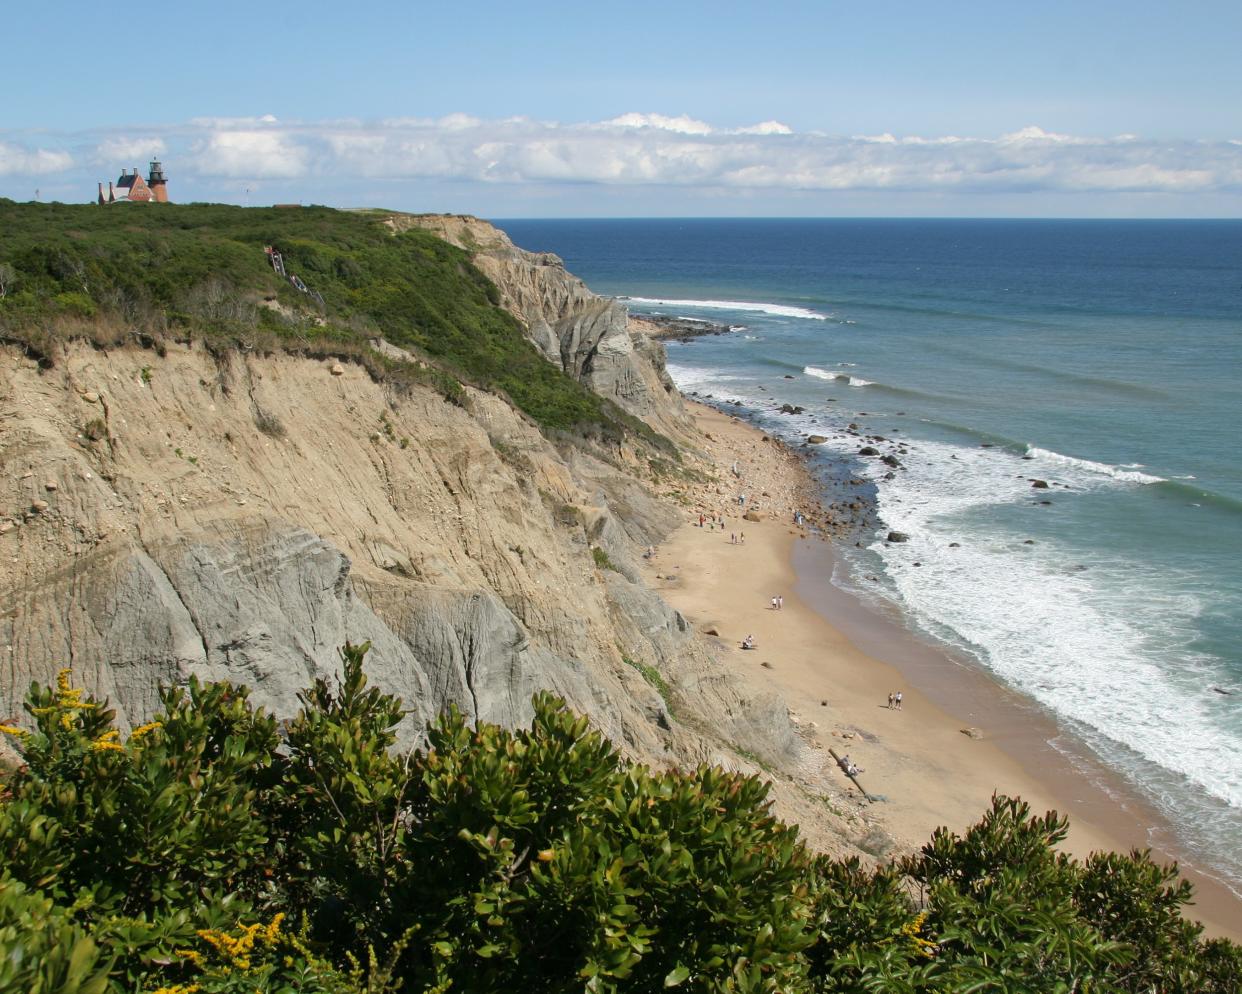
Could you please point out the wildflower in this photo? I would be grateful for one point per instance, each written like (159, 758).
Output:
(192, 955)
(100, 745)
(236, 950)
(911, 930)
(17, 733)
(271, 934)
(70, 697)
(178, 989)
(68, 701)
(146, 729)
(107, 742)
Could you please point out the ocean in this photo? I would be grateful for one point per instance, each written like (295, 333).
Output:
(1100, 357)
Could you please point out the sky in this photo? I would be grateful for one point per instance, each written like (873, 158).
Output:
(1052, 109)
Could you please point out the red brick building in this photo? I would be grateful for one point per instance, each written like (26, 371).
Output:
(132, 188)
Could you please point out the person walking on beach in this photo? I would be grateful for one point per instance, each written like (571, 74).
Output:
(774, 602)
(897, 700)
(780, 602)
(891, 699)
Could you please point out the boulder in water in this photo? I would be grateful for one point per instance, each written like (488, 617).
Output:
(897, 537)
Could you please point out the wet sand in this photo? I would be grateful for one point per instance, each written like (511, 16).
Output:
(825, 645)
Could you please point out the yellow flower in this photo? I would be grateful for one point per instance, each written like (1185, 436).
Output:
(146, 729)
(99, 745)
(911, 930)
(235, 950)
(107, 742)
(178, 989)
(271, 934)
(13, 730)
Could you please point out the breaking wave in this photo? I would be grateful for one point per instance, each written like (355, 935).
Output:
(830, 374)
(1088, 465)
(780, 310)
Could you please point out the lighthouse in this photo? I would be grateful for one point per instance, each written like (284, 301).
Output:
(158, 182)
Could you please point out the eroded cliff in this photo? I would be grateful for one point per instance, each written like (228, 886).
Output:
(193, 511)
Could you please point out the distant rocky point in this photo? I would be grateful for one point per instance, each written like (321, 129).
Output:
(681, 329)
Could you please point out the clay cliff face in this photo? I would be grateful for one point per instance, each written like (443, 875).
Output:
(241, 519)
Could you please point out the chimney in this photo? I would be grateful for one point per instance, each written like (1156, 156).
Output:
(111, 193)
(101, 199)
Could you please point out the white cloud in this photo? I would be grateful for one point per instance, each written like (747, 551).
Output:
(250, 154)
(233, 122)
(1031, 133)
(654, 149)
(123, 152)
(18, 160)
(646, 149)
(765, 128)
(682, 125)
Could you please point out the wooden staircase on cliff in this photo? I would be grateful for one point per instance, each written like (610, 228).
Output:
(278, 264)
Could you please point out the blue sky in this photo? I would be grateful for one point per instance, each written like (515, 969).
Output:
(558, 109)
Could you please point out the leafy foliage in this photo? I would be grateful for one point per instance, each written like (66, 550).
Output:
(501, 860)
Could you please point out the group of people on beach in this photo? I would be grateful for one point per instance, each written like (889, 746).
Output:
(778, 602)
(894, 701)
(711, 520)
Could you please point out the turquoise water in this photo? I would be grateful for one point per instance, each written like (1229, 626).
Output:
(1101, 357)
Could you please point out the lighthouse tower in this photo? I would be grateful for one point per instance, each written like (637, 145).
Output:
(158, 182)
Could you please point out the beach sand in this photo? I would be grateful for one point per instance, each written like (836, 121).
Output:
(823, 645)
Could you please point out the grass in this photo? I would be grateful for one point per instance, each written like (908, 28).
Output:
(656, 680)
(198, 271)
(602, 560)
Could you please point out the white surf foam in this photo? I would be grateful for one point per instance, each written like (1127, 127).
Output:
(831, 374)
(1116, 472)
(780, 310)
(1092, 644)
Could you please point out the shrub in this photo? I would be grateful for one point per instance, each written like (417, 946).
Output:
(533, 859)
(41, 950)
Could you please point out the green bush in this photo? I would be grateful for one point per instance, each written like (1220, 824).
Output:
(534, 859)
(41, 951)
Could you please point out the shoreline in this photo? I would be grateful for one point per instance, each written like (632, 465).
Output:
(827, 645)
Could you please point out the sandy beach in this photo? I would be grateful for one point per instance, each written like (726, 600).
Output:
(835, 660)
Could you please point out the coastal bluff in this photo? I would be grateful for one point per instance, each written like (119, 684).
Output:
(185, 511)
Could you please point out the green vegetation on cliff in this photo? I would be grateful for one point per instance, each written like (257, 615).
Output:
(122, 272)
(214, 851)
